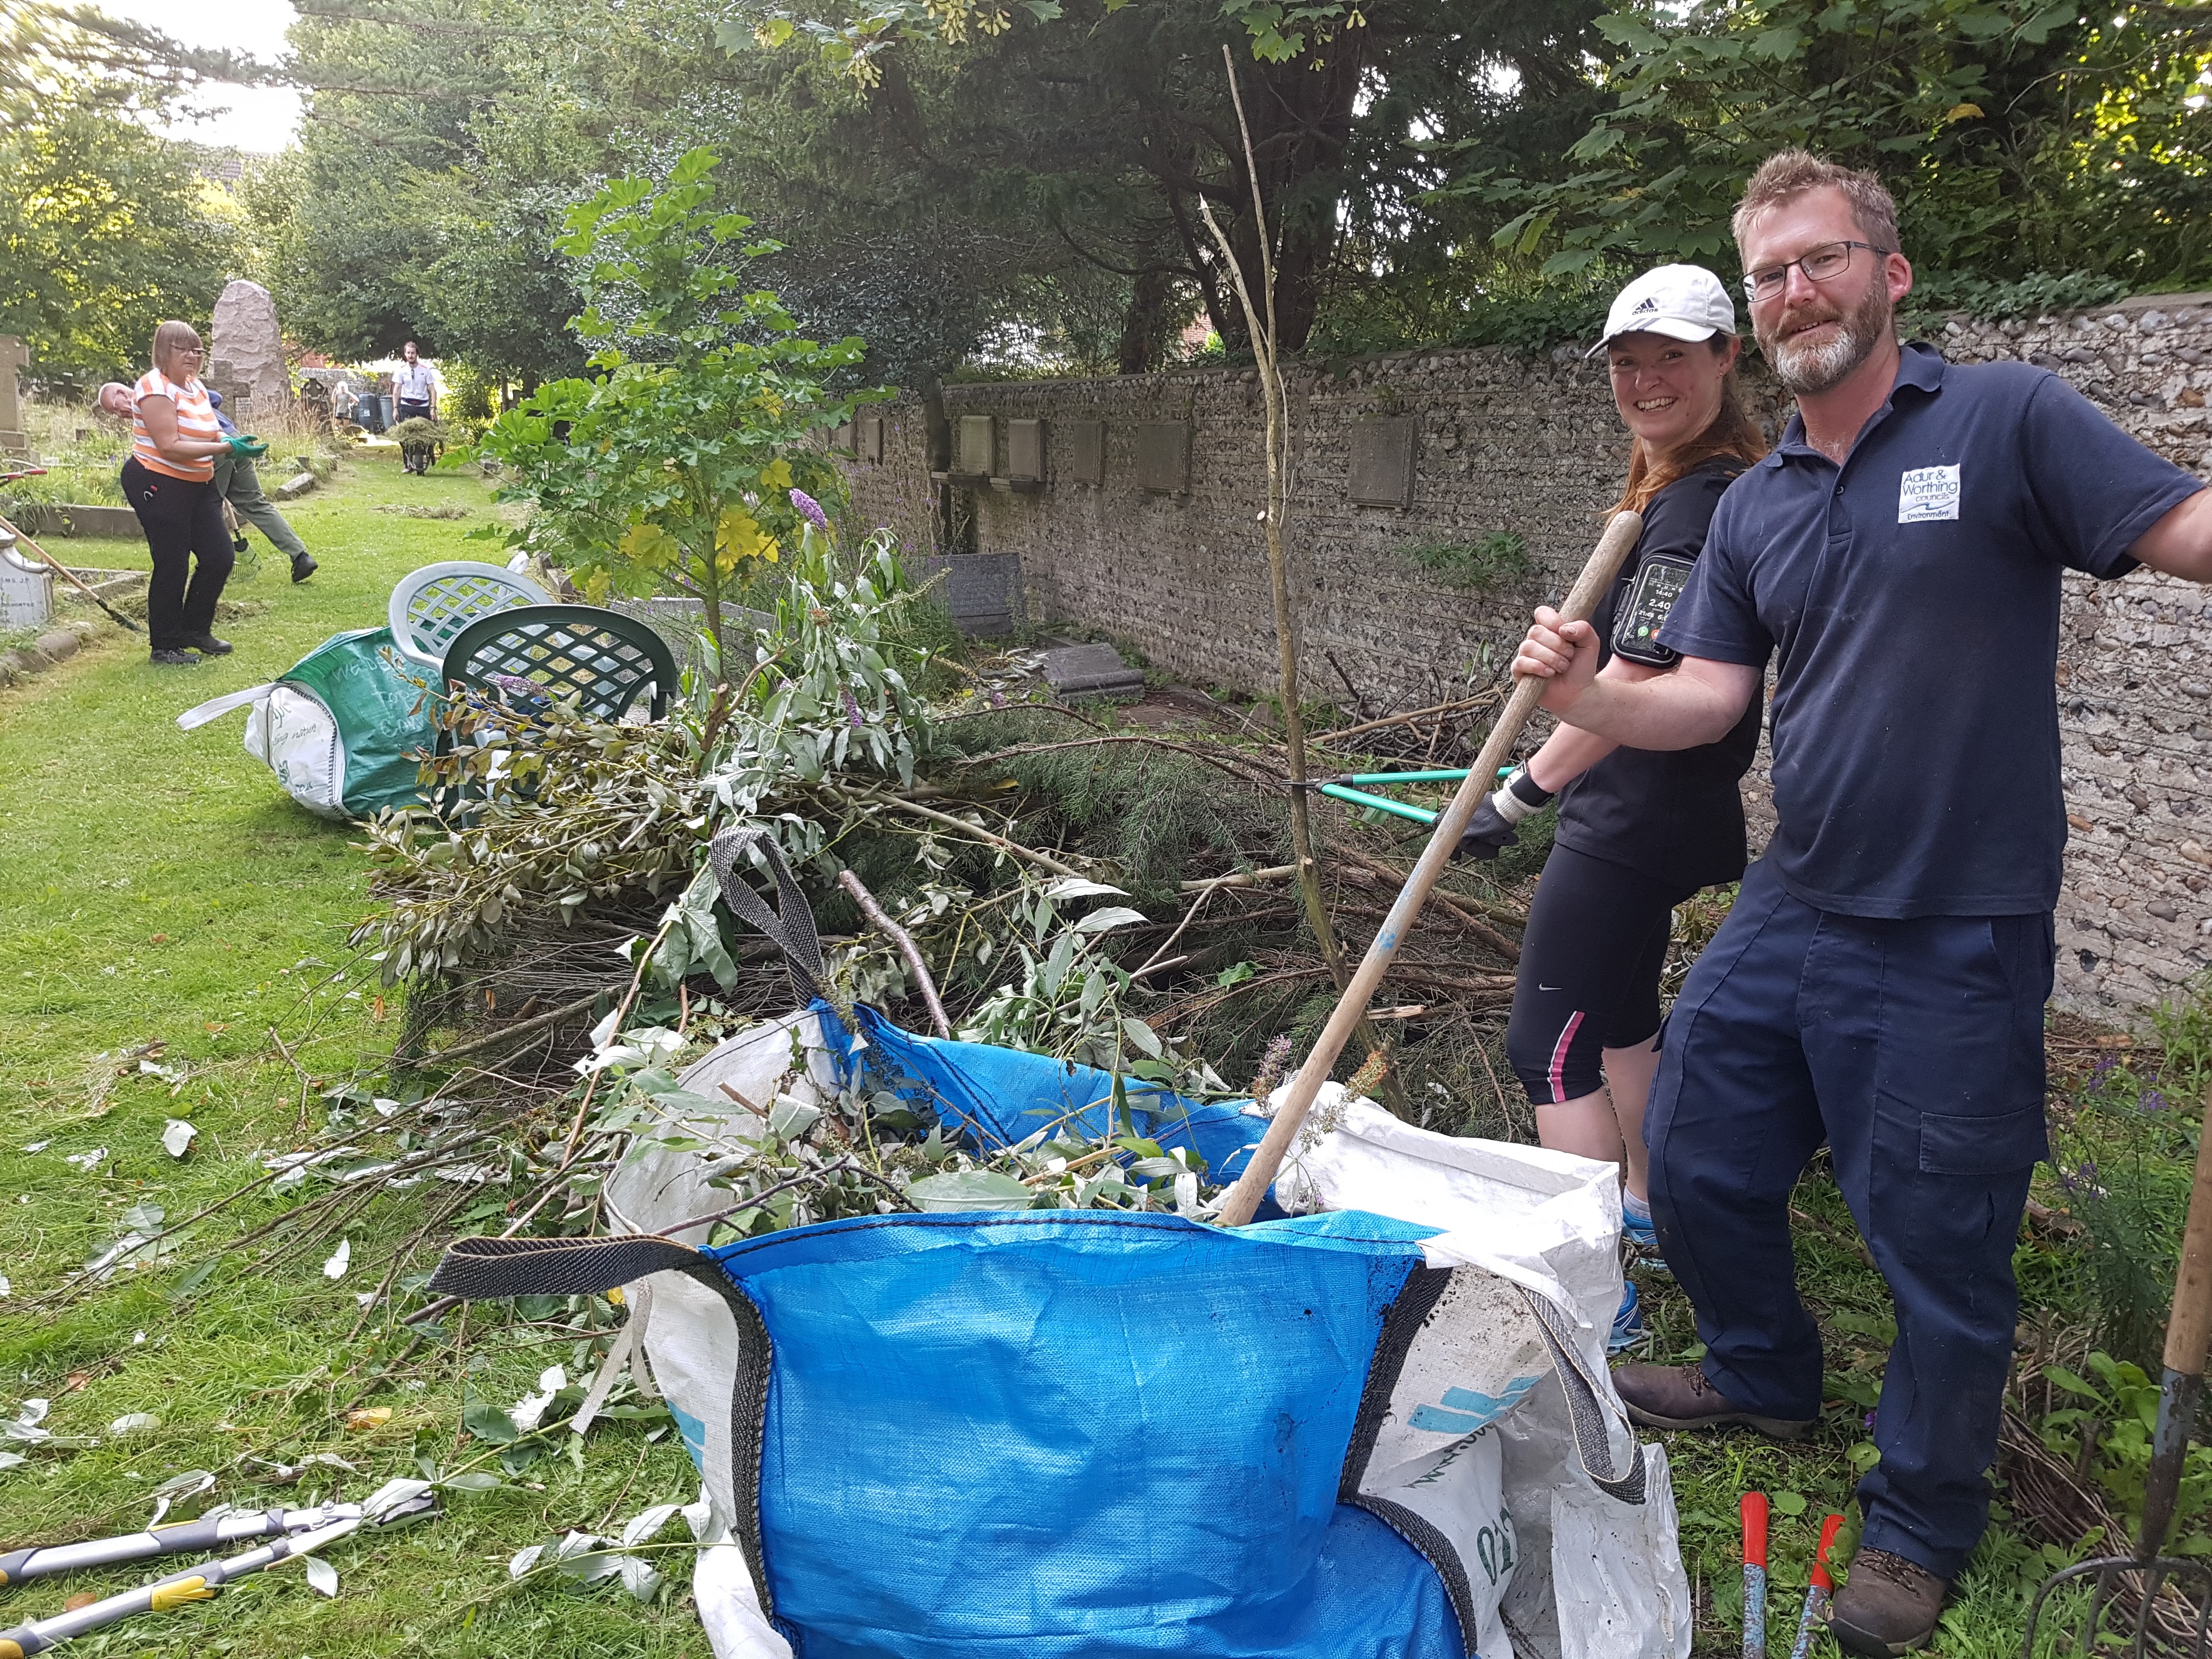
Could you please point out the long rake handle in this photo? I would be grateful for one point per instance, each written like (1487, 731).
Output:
(1267, 1157)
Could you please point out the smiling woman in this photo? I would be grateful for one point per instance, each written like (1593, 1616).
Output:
(1639, 831)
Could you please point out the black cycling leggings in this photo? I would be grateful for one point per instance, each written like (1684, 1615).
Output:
(1589, 972)
(181, 518)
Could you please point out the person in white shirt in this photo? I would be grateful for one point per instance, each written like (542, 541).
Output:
(415, 386)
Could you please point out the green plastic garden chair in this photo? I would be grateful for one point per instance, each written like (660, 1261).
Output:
(602, 660)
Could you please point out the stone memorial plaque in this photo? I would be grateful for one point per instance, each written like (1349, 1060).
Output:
(1163, 457)
(844, 439)
(1083, 452)
(871, 439)
(973, 457)
(1025, 449)
(1381, 471)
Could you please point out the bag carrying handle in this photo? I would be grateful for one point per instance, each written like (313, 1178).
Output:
(792, 931)
(477, 1269)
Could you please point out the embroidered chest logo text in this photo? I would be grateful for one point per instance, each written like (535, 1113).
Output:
(1927, 494)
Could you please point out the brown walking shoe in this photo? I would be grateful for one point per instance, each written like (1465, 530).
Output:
(1680, 1397)
(1888, 1606)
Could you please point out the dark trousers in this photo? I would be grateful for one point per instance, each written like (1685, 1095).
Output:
(1588, 978)
(181, 520)
(1915, 1050)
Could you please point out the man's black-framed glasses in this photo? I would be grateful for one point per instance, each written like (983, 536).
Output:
(1823, 265)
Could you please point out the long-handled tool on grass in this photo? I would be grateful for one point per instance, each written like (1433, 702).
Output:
(1819, 1592)
(1351, 1007)
(1753, 1507)
(55, 564)
(394, 1504)
(183, 1538)
(2168, 1599)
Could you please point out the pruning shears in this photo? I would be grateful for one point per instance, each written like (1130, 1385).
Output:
(297, 1532)
(1343, 788)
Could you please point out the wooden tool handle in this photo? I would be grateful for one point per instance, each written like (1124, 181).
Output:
(1266, 1160)
(2190, 1330)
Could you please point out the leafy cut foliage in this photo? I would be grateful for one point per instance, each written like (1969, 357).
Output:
(679, 462)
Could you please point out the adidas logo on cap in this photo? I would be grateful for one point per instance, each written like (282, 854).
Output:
(1649, 304)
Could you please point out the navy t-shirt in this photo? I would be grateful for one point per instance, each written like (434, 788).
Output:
(1675, 815)
(1913, 594)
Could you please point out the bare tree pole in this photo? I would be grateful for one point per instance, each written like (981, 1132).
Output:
(1262, 330)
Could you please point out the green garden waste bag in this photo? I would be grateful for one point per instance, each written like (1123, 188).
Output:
(343, 728)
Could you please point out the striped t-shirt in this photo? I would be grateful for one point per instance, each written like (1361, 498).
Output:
(195, 420)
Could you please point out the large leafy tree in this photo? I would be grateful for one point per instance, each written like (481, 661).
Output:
(2019, 136)
(106, 228)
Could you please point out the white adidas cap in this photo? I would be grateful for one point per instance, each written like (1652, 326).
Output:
(1684, 302)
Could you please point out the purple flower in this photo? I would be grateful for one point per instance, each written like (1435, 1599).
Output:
(2082, 1176)
(810, 510)
(2153, 1101)
(852, 703)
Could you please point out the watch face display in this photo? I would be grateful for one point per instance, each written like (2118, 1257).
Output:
(1650, 598)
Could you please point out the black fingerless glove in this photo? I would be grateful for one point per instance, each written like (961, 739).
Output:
(1490, 831)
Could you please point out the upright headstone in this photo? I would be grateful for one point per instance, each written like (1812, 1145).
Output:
(246, 354)
(871, 439)
(13, 361)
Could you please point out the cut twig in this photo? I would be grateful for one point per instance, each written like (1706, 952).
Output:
(904, 940)
(976, 832)
(521, 1028)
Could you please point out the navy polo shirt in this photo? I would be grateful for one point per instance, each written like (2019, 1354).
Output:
(1913, 594)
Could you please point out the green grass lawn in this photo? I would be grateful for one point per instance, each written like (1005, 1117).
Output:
(164, 906)
(172, 946)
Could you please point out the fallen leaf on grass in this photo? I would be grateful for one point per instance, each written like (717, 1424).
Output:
(369, 1417)
(134, 1423)
(82, 1599)
(177, 1139)
(322, 1576)
(159, 938)
(340, 1258)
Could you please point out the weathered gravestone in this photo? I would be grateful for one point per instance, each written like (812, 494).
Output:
(245, 353)
(1382, 471)
(13, 361)
(872, 440)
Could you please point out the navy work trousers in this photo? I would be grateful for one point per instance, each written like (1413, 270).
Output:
(1915, 1050)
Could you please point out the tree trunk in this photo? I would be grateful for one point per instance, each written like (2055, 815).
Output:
(1143, 324)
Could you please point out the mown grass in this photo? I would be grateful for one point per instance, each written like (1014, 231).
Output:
(166, 908)
(160, 890)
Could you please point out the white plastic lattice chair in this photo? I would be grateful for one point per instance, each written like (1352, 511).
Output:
(431, 606)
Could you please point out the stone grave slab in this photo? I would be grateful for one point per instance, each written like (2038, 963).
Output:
(1381, 471)
(1091, 671)
(871, 448)
(1163, 457)
(246, 349)
(1082, 446)
(983, 591)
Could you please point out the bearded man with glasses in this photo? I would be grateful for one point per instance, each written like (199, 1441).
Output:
(1880, 982)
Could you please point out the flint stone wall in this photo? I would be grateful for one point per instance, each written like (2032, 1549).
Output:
(1530, 444)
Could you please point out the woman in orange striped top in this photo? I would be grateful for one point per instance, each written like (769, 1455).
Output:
(168, 481)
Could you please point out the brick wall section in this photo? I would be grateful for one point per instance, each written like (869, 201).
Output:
(1531, 443)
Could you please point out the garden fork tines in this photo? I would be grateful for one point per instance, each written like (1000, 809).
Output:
(2157, 1604)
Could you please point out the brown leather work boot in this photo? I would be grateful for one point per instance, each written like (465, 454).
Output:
(1889, 1605)
(1680, 1397)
